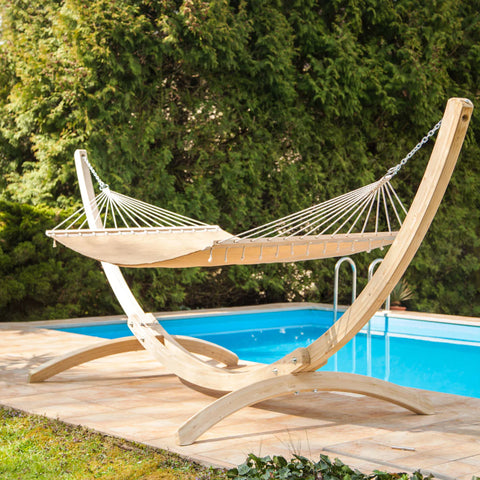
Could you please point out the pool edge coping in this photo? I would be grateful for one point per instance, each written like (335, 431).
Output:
(170, 315)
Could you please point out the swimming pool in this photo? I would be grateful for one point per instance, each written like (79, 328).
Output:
(426, 354)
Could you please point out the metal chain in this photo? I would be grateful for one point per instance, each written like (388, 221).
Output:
(394, 170)
(101, 184)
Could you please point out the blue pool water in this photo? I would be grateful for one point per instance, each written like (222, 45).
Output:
(438, 356)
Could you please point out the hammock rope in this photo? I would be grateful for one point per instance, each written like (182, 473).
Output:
(342, 213)
(119, 211)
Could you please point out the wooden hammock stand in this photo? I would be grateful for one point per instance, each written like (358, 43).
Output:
(297, 371)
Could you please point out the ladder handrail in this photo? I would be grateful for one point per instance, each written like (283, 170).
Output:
(371, 269)
(335, 304)
(335, 284)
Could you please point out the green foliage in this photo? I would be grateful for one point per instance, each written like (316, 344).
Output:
(39, 282)
(239, 112)
(278, 468)
(401, 293)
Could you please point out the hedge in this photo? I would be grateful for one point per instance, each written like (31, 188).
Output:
(238, 112)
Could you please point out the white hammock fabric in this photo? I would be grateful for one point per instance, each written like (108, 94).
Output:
(132, 233)
(128, 232)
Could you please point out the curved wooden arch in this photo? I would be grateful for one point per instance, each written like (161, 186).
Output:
(415, 226)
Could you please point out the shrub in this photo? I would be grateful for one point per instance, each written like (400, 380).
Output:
(278, 468)
(40, 282)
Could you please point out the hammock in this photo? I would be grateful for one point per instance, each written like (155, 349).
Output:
(132, 233)
(297, 371)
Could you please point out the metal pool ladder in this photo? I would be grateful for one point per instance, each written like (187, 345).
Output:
(335, 304)
(371, 269)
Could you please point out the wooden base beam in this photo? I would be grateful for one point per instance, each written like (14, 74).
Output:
(106, 348)
(202, 421)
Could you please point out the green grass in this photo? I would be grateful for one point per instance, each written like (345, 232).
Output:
(35, 447)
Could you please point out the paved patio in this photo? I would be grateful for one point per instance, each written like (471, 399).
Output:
(133, 397)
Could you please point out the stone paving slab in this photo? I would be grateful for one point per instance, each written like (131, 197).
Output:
(132, 396)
